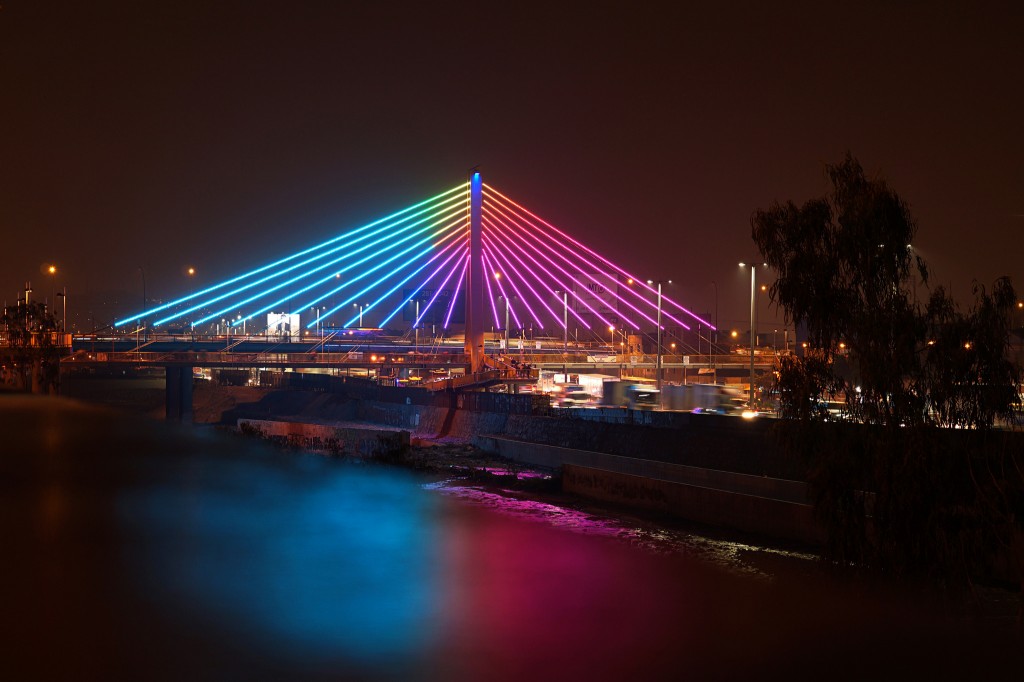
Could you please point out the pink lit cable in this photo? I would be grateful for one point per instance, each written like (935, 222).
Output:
(488, 273)
(430, 277)
(512, 283)
(552, 276)
(501, 288)
(497, 232)
(526, 232)
(507, 278)
(597, 255)
(451, 305)
(465, 255)
(525, 280)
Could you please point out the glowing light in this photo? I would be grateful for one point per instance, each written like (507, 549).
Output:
(591, 251)
(532, 290)
(427, 202)
(490, 291)
(444, 214)
(423, 284)
(52, 269)
(511, 281)
(451, 305)
(443, 230)
(451, 272)
(490, 227)
(519, 248)
(380, 281)
(508, 301)
(522, 231)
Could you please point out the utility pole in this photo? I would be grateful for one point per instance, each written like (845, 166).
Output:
(657, 372)
(753, 325)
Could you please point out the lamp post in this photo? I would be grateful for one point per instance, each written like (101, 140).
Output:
(144, 300)
(506, 322)
(52, 270)
(657, 371)
(63, 293)
(711, 350)
(565, 332)
(191, 291)
(753, 324)
(565, 322)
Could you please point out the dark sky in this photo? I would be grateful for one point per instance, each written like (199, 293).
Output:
(221, 135)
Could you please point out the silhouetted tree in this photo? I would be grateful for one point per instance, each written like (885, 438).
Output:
(31, 358)
(841, 263)
(940, 503)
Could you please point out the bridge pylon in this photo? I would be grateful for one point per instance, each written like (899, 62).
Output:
(474, 346)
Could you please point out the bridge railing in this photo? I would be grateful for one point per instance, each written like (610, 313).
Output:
(269, 358)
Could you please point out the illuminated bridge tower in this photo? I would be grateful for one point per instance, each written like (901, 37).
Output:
(475, 276)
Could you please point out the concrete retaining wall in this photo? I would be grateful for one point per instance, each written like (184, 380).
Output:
(554, 457)
(747, 513)
(363, 442)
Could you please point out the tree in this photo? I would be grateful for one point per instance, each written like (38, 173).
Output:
(32, 358)
(842, 261)
(941, 499)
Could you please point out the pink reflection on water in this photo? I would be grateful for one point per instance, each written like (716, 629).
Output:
(519, 475)
(731, 555)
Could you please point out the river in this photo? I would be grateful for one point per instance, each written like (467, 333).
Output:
(133, 549)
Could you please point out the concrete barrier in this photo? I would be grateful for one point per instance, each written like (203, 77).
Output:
(747, 513)
(368, 441)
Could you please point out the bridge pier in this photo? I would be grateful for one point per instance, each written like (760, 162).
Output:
(178, 393)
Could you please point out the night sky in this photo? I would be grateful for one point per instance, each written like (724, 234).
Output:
(221, 135)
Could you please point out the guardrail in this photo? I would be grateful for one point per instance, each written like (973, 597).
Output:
(198, 358)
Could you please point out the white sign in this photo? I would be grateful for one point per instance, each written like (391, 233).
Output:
(283, 325)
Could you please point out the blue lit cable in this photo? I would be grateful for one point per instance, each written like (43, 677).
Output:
(436, 210)
(425, 252)
(444, 213)
(458, 188)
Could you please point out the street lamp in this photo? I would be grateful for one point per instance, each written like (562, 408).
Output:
(52, 270)
(712, 345)
(63, 293)
(753, 324)
(191, 272)
(657, 371)
(416, 326)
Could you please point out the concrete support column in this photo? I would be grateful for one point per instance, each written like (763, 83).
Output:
(178, 394)
(474, 346)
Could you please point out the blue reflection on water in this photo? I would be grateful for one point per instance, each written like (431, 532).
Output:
(306, 554)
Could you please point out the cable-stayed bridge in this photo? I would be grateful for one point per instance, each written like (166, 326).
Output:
(469, 257)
